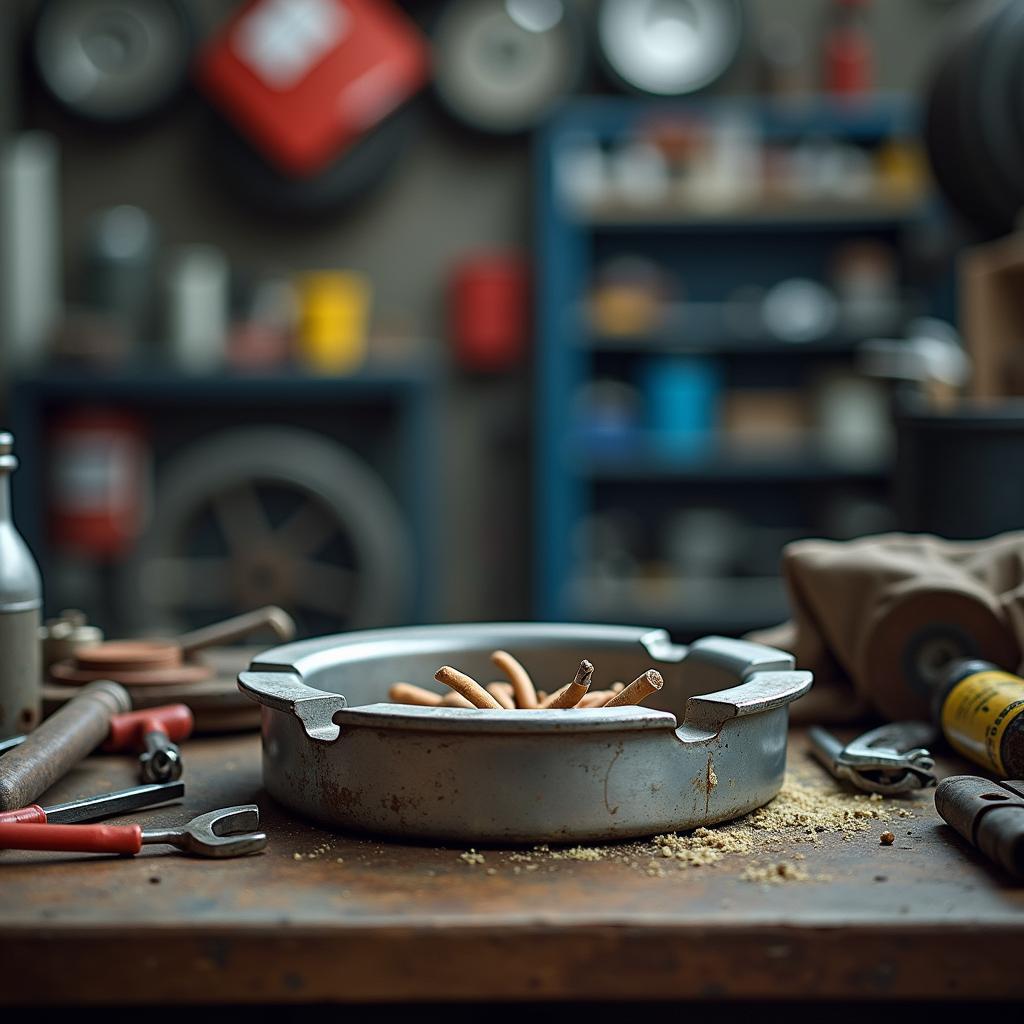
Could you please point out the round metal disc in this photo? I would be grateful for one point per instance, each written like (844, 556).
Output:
(119, 655)
(501, 65)
(113, 60)
(177, 675)
(245, 172)
(216, 702)
(669, 47)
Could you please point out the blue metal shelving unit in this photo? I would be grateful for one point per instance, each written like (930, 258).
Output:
(410, 393)
(732, 248)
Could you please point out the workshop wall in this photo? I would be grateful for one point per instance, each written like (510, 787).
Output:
(454, 193)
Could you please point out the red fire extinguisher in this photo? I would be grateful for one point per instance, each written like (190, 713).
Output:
(849, 61)
(99, 484)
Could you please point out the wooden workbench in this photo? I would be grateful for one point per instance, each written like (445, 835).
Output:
(356, 919)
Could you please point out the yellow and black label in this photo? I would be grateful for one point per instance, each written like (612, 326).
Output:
(977, 713)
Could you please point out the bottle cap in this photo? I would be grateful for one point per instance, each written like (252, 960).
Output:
(7, 459)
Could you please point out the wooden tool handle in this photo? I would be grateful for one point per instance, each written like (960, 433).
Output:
(59, 743)
(72, 838)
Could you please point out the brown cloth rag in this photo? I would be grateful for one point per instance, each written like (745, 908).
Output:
(878, 619)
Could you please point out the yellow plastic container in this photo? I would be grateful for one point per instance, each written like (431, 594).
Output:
(334, 320)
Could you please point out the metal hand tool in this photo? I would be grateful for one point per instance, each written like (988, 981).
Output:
(891, 759)
(59, 743)
(989, 815)
(93, 808)
(153, 731)
(229, 832)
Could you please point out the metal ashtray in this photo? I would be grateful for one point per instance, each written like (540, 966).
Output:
(336, 752)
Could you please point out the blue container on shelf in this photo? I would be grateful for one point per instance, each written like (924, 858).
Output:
(682, 394)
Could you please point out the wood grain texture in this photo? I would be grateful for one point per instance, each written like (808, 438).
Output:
(926, 917)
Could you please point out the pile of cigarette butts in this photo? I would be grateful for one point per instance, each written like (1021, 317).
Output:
(519, 693)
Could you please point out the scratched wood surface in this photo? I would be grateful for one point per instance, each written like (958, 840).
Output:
(322, 917)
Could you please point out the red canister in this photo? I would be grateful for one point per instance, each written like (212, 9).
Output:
(490, 311)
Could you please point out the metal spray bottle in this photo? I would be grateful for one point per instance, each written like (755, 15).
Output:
(20, 607)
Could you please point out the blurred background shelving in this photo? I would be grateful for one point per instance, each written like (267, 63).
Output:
(600, 339)
(120, 425)
(699, 387)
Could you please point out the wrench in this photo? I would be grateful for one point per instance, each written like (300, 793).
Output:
(229, 832)
(887, 760)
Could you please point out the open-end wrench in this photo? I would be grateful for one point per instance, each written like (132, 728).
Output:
(229, 832)
(94, 808)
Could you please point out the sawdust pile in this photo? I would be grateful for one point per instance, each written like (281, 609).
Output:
(579, 853)
(774, 873)
(801, 813)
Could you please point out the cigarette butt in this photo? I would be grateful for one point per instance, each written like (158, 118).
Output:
(468, 687)
(455, 700)
(595, 698)
(522, 684)
(503, 694)
(638, 691)
(572, 693)
(617, 687)
(406, 693)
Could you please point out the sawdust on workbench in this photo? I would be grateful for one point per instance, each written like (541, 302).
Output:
(802, 812)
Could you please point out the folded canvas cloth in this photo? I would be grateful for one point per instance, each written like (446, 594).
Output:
(877, 620)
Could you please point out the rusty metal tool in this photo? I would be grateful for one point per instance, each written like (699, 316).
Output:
(157, 732)
(59, 743)
(889, 760)
(989, 815)
(228, 832)
(154, 733)
(161, 661)
(94, 808)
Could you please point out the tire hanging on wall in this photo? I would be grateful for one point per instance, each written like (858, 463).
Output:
(271, 515)
(500, 66)
(972, 131)
(113, 61)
